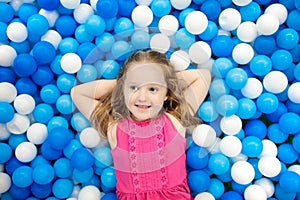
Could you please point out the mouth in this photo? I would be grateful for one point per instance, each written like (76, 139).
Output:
(142, 106)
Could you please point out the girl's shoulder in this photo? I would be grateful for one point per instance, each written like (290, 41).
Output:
(111, 134)
(177, 124)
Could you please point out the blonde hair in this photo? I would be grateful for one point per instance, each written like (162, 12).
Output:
(112, 108)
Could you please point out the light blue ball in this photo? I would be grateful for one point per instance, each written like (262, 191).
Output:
(49, 93)
(160, 8)
(184, 39)
(22, 176)
(140, 39)
(221, 67)
(65, 105)
(292, 19)
(207, 111)
(210, 32)
(289, 123)
(260, 65)
(222, 46)
(37, 24)
(14, 140)
(83, 176)
(87, 73)
(287, 154)
(227, 105)
(7, 12)
(43, 174)
(63, 168)
(59, 137)
(105, 41)
(281, 59)
(7, 112)
(236, 78)
(81, 34)
(68, 45)
(197, 157)
(247, 108)
(123, 27)
(216, 188)
(62, 188)
(267, 103)
(250, 12)
(287, 38)
(218, 88)
(108, 177)
(5, 152)
(65, 82)
(218, 164)
(103, 157)
(79, 122)
(109, 69)
(95, 25)
(71, 148)
(43, 112)
(252, 146)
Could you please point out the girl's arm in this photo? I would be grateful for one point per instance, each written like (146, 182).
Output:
(87, 95)
(195, 84)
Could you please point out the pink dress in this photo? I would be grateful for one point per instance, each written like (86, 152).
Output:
(149, 160)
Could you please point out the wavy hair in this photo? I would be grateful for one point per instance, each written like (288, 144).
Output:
(112, 108)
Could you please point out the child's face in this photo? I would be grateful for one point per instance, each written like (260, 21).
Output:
(145, 90)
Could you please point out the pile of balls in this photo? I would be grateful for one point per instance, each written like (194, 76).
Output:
(248, 146)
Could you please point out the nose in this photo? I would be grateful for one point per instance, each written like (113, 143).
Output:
(142, 95)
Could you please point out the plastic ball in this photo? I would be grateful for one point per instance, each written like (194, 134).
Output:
(59, 137)
(246, 31)
(296, 142)
(89, 192)
(247, 108)
(269, 148)
(204, 135)
(287, 154)
(267, 185)
(49, 93)
(43, 52)
(252, 146)
(231, 146)
(70, 5)
(140, 39)
(6, 152)
(278, 10)
(62, 188)
(65, 82)
(19, 124)
(43, 112)
(109, 69)
(236, 78)
(276, 135)
(207, 111)
(82, 12)
(65, 25)
(227, 105)
(7, 112)
(37, 133)
(87, 73)
(267, 103)
(222, 46)
(24, 65)
(120, 50)
(160, 42)
(82, 159)
(89, 137)
(289, 123)
(275, 82)
(37, 24)
(17, 32)
(180, 4)
(24, 104)
(103, 157)
(47, 5)
(242, 53)
(281, 59)
(231, 125)
(107, 9)
(267, 24)
(71, 63)
(269, 166)
(95, 25)
(210, 32)
(255, 192)
(197, 157)
(160, 8)
(196, 22)
(293, 92)
(183, 38)
(180, 60)
(216, 188)
(287, 38)
(198, 181)
(252, 89)
(108, 177)
(242, 172)
(260, 65)
(231, 195)
(51, 16)
(292, 19)
(22, 176)
(290, 182)
(204, 195)
(52, 37)
(43, 174)
(5, 182)
(63, 168)
(241, 2)
(229, 19)
(26, 152)
(218, 164)
(168, 25)
(8, 55)
(264, 44)
(200, 52)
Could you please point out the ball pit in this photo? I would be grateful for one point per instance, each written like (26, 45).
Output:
(248, 144)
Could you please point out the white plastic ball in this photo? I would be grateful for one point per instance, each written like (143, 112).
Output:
(242, 53)
(71, 63)
(200, 52)
(252, 89)
(180, 4)
(294, 92)
(231, 125)
(239, 157)
(242, 172)
(215, 147)
(17, 32)
(160, 42)
(143, 2)
(196, 22)
(142, 16)
(93, 4)
(204, 196)
(277, 10)
(231, 146)
(8, 92)
(89, 192)
(70, 4)
(180, 60)
(26, 152)
(168, 25)
(89, 137)
(267, 24)
(255, 192)
(247, 32)
(269, 166)
(269, 148)
(24, 104)
(229, 19)
(275, 82)
(5, 182)
(241, 2)
(8, 55)
(294, 168)
(51, 16)
(82, 13)
(37, 133)
(52, 37)
(267, 185)
(204, 135)
(15, 4)
(4, 133)
(19, 124)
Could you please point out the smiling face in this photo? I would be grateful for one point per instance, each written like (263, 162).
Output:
(145, 90)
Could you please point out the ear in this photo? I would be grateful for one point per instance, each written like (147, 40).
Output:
(166, 97)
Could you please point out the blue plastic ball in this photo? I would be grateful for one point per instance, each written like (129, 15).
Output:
(65, 105)
(281, 59)
(287, 154)
(197, 157)
(57, 121)
(222, 46)
(292, 20)
(48, 5)
(5, 152)
(26, 10)
(265, 45)
(210, 32)
(82, 159)
(41, 191)
(274, 116)
(49, 93)
(50, 153)
(43, 174)
(3, 35)
(83, 176)
(252, 146)
(207, 111)
(126, 8)
(260, 65)
(250, 12)
(287, 38)
(7, 112)
(81, 34)
(62, 188)
(7, 12)
(21, 47)
(184, 39)
(109, 69)
(38, 160)
(65, 82)
(216, 188)
(43, 52)
(103, 157)
(66, 25)
(88, 52)
(59, 137)
(79, 122)
(247, 108)
(289, 181)
(37, 24)
(24, 65)
(183, 15)
(198, 181)
(43, 113)
(236, 78)
(267, 103)
(289, 123)
(16, 192)
(218, 164)
(109, 196)
(68, 45)
(296, 142)
(140, 39)
(280, 193)
(211, 9)
(160, 8)
(56, 66)
(108, 177)
(232, 195)
(71, 148)
(87, 73)
(43, 75)
(22, 176)
(227, 105)
(221, 67)
(123, 27)
(14, 140)
(107, 8)
(276, 135)
(256, 128)
(63, 168)
(218, 88)
(254, 163)
(95, 25)
(105, 41)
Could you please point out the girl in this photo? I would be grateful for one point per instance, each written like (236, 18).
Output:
(144, 114)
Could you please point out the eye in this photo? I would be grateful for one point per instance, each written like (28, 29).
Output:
(153, 89)
(133, 88)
